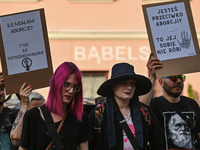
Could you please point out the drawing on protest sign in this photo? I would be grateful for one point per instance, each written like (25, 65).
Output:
(25, 51)
(172, 37)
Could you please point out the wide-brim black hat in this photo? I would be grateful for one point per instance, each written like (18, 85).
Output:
(125, 71)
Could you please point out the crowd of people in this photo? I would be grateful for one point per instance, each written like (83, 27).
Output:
(126, 116)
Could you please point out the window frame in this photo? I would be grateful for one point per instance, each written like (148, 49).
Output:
(93, 73)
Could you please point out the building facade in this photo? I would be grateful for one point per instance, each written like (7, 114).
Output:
(95, 34)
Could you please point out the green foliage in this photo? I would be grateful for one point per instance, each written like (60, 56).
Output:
(191, 92)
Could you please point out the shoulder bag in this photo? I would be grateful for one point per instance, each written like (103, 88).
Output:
(52, 128)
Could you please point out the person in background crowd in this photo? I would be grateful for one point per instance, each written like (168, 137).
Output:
(179, 132)
(35, 100)
(28, 100)
(65, 105)
(121, 93)
(7, 117)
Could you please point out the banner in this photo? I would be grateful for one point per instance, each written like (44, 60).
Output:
(172, 37)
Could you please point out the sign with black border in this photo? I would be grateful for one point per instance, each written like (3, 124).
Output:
(25, 51)
(172, 37)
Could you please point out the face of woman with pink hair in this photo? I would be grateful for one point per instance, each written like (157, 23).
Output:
(69, 89)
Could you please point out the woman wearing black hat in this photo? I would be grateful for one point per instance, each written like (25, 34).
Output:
(123, 123)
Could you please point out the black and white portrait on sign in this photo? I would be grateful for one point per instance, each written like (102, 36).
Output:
(177, 131)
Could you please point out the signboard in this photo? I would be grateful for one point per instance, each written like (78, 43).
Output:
(24, 50)
(172, 37)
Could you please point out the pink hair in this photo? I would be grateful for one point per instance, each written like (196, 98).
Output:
(54, 100)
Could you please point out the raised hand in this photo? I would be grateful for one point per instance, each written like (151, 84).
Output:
(16, 131)
(153, 64)
(24, 93)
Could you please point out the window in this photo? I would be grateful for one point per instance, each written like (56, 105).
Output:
(91, 82)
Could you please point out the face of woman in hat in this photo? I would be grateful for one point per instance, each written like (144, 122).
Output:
(125, 71)
(124, 90)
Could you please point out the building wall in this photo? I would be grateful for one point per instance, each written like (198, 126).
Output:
(80, 32)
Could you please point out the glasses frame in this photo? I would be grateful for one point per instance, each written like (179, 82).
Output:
(176, 77)
(71, 86)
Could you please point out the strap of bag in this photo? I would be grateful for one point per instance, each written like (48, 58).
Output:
(52, 128)
(5, 99)
(126, 128)
(59, 127)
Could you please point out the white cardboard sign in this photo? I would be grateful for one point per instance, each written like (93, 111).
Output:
(23, 42)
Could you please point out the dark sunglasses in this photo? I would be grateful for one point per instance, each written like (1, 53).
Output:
(175, 78)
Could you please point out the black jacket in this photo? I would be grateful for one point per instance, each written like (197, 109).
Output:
(151, 132)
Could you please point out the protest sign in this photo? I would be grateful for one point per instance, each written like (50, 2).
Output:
(24, 50)
(172, 37)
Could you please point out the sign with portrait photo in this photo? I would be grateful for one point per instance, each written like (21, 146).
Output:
(172, 37)
(25, 51)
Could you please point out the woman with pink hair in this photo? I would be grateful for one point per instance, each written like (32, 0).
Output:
(65, 104)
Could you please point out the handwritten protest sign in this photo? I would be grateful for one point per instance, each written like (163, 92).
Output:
(172, 37)
(25, 52)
